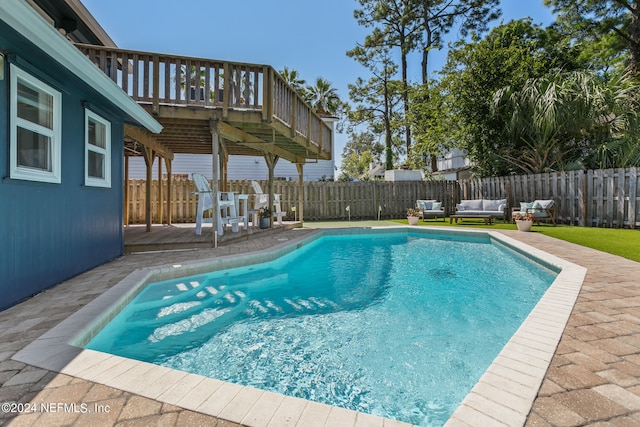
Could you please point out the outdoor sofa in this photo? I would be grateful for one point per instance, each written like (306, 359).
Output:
(482, 208)
(430, 209)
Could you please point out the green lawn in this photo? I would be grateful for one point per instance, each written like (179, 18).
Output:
(625, 243)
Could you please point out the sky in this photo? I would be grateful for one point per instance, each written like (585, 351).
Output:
(308, 36)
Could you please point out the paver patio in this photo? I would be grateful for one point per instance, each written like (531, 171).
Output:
(593, 379)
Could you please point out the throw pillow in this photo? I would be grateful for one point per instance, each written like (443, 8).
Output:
(524, 206)
(537, 207)
(436, 206)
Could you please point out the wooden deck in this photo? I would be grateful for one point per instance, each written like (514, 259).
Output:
(183, 236)
(254, 109)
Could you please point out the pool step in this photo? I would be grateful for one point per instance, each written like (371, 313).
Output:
(287, 306)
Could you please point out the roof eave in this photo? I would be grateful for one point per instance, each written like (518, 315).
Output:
(26, 21)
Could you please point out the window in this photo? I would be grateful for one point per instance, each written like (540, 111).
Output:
(36, 123)
(97, 164)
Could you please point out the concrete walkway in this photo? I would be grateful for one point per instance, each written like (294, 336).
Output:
(594, 377)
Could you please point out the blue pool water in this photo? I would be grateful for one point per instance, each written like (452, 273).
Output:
(397, 325)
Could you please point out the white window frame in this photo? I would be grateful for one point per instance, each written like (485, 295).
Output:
(55, 135)
(106, 151)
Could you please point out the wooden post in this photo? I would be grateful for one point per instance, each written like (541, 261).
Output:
(215, 143)
(167, 164)
(126, 190)
(633, 188)
(224, 160)
(155, 96)
(149, 155)
(584, 200)
(160, 195)
(300, 207)
(222, 182)
(267, 99)
(294, 114)
(271, 160)
(226, 88)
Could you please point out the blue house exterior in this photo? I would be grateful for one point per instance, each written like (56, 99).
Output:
(61, 157)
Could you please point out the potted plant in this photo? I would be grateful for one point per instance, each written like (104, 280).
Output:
(264, 215)
(524, 220)
(412, 216)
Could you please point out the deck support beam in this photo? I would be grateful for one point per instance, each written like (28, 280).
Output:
(167, 164)
(149, 156)
(147, 139)
(160, 193)
(271, 160)
(126, 191)
(300, 209)
(215, 149)
(224, 161)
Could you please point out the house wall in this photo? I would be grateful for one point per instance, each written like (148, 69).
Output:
(240, 167)
(51, 232)
(452, 160)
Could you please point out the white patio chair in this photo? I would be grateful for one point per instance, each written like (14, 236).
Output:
(205, 203)
(261, 200)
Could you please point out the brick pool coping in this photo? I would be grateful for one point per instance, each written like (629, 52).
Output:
(505, 392)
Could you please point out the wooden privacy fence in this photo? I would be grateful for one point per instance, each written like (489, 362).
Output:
(322, 200)
(595, 198)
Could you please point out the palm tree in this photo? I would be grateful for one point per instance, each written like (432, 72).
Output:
(565, 118)
(323, 97)
(195, 75)
(292, 78)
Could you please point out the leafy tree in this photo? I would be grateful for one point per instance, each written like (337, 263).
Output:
(412, 24)
(358, 154)
(611, 26)
(377, 99)
(437, 18)
(509, 55)
(429, 117)
(399, 28)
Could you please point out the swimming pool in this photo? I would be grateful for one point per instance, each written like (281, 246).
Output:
(331, 329)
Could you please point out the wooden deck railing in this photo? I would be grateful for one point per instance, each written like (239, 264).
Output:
(160, 79)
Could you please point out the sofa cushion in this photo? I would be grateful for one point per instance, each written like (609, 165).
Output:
(494, 205)
(470, 205)
(436, 206)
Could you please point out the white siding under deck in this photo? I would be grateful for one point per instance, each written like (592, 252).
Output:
(239, 168)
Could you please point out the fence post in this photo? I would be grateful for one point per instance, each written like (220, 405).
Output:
(584, 198)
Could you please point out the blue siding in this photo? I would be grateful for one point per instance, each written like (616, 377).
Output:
(51, 232)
